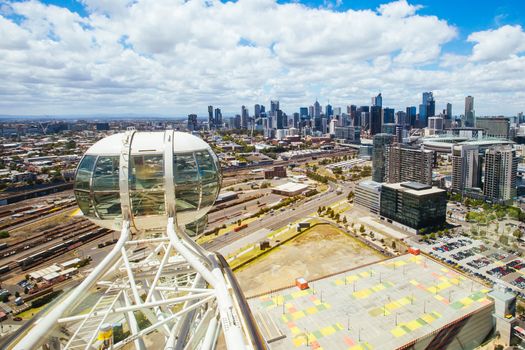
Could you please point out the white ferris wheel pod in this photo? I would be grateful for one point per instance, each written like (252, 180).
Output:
(149, 185)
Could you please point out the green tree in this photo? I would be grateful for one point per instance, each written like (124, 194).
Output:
(362, 228)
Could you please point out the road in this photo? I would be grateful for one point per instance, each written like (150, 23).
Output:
(292, 213)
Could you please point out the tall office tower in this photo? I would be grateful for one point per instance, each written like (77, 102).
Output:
(470, 118)
(381, 143)
(274, 106)
(324, 124)
(237, 122)
(263, 109)
(218, 118)
(401, 118)
(244, 117)
(449, 111)
(411, 115)
(466, 167)
(405, 163)
(311, 112)
(352, 111)
(328, 111)
(336, 112)
(211, 121)
(388, 116)
(257, 111)
(280, 116)
(501, 167)
(426, 109)
(375, 120)
(303, 112)
(377, 101)
(296, 120)
(192, 122)
(317, 110)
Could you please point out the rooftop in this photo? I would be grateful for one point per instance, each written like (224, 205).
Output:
(414, 188)
(379, 306)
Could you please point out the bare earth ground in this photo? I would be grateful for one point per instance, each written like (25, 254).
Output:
(320, 251)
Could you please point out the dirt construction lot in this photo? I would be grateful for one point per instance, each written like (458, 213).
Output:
(319, 251)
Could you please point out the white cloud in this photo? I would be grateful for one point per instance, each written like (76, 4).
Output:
(400, 8)
(176, 57)
(498, 43)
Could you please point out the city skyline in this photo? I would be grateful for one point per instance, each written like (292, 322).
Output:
(166, 58)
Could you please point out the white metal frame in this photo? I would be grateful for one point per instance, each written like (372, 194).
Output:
(178, 287)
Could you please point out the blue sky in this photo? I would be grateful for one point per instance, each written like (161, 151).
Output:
(175, 57)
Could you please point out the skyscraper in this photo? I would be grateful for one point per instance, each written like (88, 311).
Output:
(317, 110)
(218, 118)
(426, 109)
(211, 121)
(257, 111)
(244, 117)
(411, 115)
(470, 118)
(377, 101)
(466, 167)
(280, 119)
(449, 110)
(303, 112)
(388, 116)
(405, 163)
(501, 167)
(328, 110)
(375, 120)
(381, 143)
(274, 106)
(192, 122)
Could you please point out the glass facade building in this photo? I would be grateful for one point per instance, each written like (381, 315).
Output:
(413, 204)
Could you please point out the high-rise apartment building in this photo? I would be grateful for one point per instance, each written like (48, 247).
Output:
(449, 111)
(211, 120)
(470, 118)
(466, 168)
(380, 146)
(406, 163)
(218, 118)
(192, 122)
(501, 167)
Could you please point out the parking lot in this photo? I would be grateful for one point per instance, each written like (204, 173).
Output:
(477, 258)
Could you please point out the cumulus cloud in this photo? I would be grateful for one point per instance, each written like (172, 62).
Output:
(176, 57)
(497, 44)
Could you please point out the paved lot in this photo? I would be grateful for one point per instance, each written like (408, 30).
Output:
(381, 306)
(477, 258)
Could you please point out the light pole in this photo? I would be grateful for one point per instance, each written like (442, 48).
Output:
(425, 306)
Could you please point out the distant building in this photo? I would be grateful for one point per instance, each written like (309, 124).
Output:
(470, 118)
(381, 143)
(192, 122)
(218, 118)
(501, 167)
(211, 119)
(411, 114)
(368, 195)
(102, 126)
(388, 115)
(244, 117)
(466, 167)
(375, 120)
(277, 171)
(494, 126)
(348, 134)
(436, 125)
(413, 204)
(377, 101)
(427, 109)
(290, 189)
(405, 163)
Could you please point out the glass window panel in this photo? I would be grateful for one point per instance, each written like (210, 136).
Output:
(84, 172)
(209, 194)
(148, 203)
(185, 169)
(84, 203)
(147, 172)
(105, 176)
(207, 169)
(187, 198)
(107, 205)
